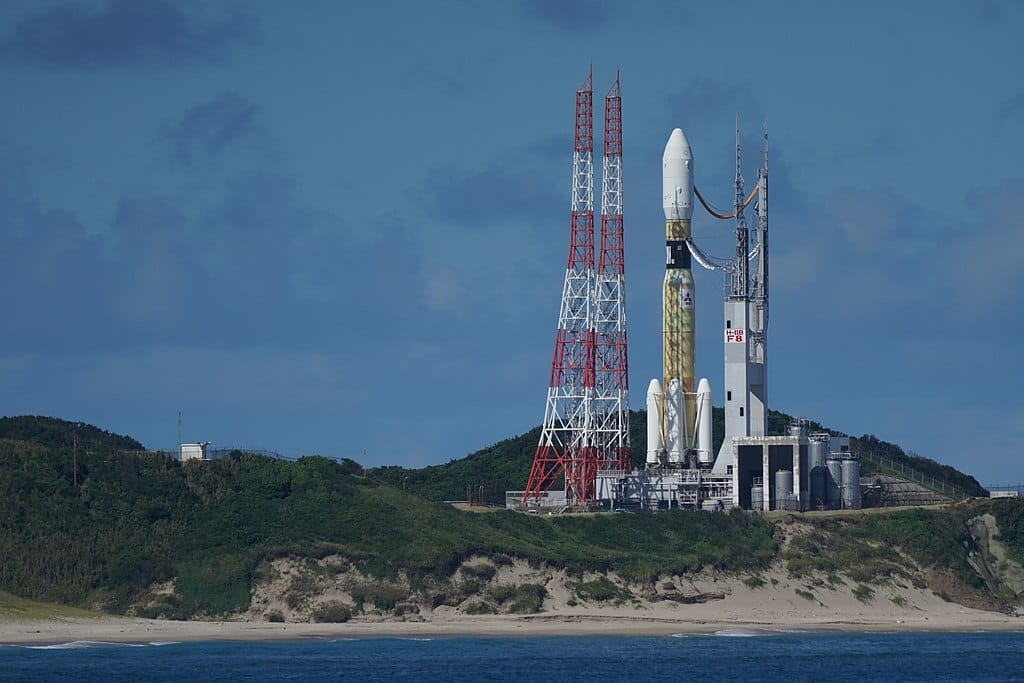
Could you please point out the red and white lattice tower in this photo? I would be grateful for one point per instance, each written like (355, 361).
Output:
(566, 447)
(611, 375)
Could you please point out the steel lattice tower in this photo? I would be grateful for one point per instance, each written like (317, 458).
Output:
(566, 446)
(611, 372)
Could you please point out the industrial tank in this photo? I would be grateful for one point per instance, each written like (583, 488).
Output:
(834, 481)
(851, 483)
(816, 455)
(784, 490)
(757, 496)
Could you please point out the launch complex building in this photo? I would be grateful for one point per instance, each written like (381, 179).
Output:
(583, 459)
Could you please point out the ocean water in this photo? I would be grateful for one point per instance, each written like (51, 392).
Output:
(735, 655)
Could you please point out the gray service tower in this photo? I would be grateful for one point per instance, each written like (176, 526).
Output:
(746, 326)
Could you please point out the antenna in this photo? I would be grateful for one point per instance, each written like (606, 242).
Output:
(741, 277)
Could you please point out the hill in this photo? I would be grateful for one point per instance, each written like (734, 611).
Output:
(137, 533)
(488, 473)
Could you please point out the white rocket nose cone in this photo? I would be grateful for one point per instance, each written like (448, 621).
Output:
(677, 177)
(677, 146)
(654, 388)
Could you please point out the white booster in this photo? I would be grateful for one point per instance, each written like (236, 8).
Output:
(703, 426)
(674, 422)
(655, 400)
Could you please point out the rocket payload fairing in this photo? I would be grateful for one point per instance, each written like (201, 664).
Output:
(678, 295)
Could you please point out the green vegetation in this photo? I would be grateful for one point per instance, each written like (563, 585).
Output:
(806, 595)
(528, 599)
(14, 607)
(332, 613)
(1009, 514)
(754, 582)
(86, 519)
(867, 548)
(864, 593)
(599, 590)
(486, 474)
(102, 534)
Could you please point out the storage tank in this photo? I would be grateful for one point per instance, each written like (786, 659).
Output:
(851, 483)
(757, 495)
(817, 452)
(784, 490)
(798, 429)
(834, 481)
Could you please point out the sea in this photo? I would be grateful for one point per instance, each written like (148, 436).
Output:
(733, 655)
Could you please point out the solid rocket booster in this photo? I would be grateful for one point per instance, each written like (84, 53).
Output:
(655, 400)
(704, 455)
(677, 292)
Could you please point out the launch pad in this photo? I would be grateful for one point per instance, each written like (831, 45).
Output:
(584, 446)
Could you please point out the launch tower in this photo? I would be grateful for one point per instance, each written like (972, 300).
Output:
(586, 415)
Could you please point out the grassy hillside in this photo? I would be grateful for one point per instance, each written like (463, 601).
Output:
(505, 466)
(104, 534)
(135, 520)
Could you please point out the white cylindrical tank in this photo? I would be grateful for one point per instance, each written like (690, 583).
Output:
(783, 489)
(655, 402)
(674, 422)
(834, 482)
(703, 426)
(757, 496)
(851, 483)
(817, 452)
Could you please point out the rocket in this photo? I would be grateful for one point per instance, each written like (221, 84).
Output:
(678, 363)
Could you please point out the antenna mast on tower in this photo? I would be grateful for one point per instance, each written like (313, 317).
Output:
(566, 445)
(611, 398)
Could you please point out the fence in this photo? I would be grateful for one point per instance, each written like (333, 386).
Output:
(911, 474)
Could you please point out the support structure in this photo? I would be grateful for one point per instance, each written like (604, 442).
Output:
(566, 447)
(746, 323)
(611, 371)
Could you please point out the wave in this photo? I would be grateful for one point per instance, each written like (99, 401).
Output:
(742, 633)
(82, 644)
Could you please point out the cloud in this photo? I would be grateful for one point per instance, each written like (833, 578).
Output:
(878, 220)
(207, 129)
(570, 15)
(257, 268)
(500, 192)
(988, 264)
(125, 33)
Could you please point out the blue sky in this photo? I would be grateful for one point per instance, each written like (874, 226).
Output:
(341, 228)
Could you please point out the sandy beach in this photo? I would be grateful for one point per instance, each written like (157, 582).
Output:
(771, 608)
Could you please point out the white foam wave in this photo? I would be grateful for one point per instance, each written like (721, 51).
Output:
(80, 644)
(741, 633)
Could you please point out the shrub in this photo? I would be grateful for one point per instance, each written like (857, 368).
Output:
(274, 616)
(332, 613)
(501, 593)
(863, 593)
(753, 582)
(600, 589)
(383, 596)
(480, 608)
(529, 599)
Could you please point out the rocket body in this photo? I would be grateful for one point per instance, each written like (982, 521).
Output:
(678, 362)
